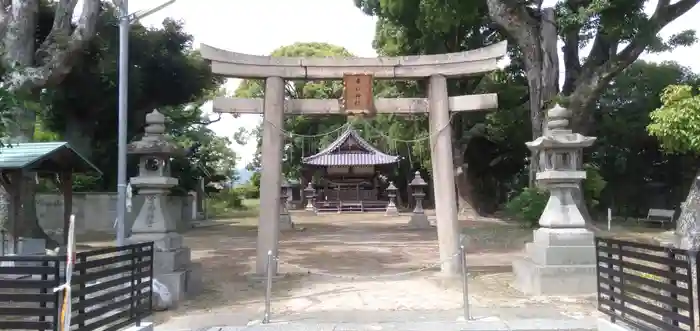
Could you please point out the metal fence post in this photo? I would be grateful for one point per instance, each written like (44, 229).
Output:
(268, 288)
(465, 278)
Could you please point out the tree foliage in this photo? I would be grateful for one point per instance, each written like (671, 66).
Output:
(165, 73)
(677, 122)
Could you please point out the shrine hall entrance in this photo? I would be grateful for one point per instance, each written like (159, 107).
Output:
(350, 175)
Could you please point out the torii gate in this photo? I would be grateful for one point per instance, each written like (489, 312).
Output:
(437, 68)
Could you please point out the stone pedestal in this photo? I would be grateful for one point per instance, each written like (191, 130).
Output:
(310, 209)
(557, 262)
(285, 222)
(419, 221)
(25, 247)
(391, 209)
(172, 265)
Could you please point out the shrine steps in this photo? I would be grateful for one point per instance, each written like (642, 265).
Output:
(351, 206)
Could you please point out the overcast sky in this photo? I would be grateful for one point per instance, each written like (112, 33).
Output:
(260, 26)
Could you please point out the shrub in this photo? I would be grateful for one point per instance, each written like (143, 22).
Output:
(225, 203)
(248, 191)
(527, 206)
(592, 186)
(230, 198)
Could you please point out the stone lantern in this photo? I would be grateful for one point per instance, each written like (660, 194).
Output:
(561, 150)
(418, 218)
(285, 222)
(561, 259)
(153, 182)
(391, 207)
(154, 222)
(310, 195)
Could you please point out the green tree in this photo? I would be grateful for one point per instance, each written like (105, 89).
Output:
(639, 175)
(210, 156)
(429, 27)
(677, 126)
(303, 127)
(165, 71)
(618, 31)
(39, 47)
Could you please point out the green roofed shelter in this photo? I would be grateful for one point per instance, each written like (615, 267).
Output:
(20, 163)
(44, 157)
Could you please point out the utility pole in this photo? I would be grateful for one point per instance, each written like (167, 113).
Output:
(125, 20)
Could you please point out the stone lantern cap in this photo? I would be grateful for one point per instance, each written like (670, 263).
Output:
(391, 187)
(154, 141)
(417, 180)
(559, 135)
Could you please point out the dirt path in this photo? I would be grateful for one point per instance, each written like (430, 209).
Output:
(346, 262)
(349, 262)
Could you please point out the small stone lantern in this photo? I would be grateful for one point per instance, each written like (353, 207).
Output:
(418, 218)
(562, 249)
(285, 222)
(310, 195)
(391, 207)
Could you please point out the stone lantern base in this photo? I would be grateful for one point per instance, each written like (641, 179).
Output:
(172, 265)
(558, 262)
(285, 222)
(391, 209)
(419, 221)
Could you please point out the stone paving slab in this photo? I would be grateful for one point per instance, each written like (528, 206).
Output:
(484, 325)
(516, 319)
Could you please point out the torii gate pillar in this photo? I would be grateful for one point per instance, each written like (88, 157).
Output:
(271, 177)
(444, 193)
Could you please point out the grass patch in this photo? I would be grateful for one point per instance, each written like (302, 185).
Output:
(217, 209)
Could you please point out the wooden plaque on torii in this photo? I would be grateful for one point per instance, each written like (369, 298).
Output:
(357, 96)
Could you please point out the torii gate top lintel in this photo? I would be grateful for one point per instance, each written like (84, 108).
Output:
(240, 65)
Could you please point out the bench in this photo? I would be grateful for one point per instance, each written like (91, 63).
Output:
(661, 216)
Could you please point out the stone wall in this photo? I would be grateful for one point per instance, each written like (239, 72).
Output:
(96, 212)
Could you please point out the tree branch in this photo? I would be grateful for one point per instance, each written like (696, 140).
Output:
(19, 34)
(4, 16)
(596, 74)
(513, 17)
(572, 40)
(59, 49)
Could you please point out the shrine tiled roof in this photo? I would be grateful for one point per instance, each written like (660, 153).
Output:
(364, 155)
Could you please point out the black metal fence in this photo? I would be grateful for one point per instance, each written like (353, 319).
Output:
(111, 288)
(646, 286)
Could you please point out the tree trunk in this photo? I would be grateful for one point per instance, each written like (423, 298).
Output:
(465, 195)
(78, 135)
(536, 38)
(464, 187)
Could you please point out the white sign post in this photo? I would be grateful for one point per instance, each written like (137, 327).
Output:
(66, 308)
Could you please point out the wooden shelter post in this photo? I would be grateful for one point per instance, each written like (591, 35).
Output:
(65, 180)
